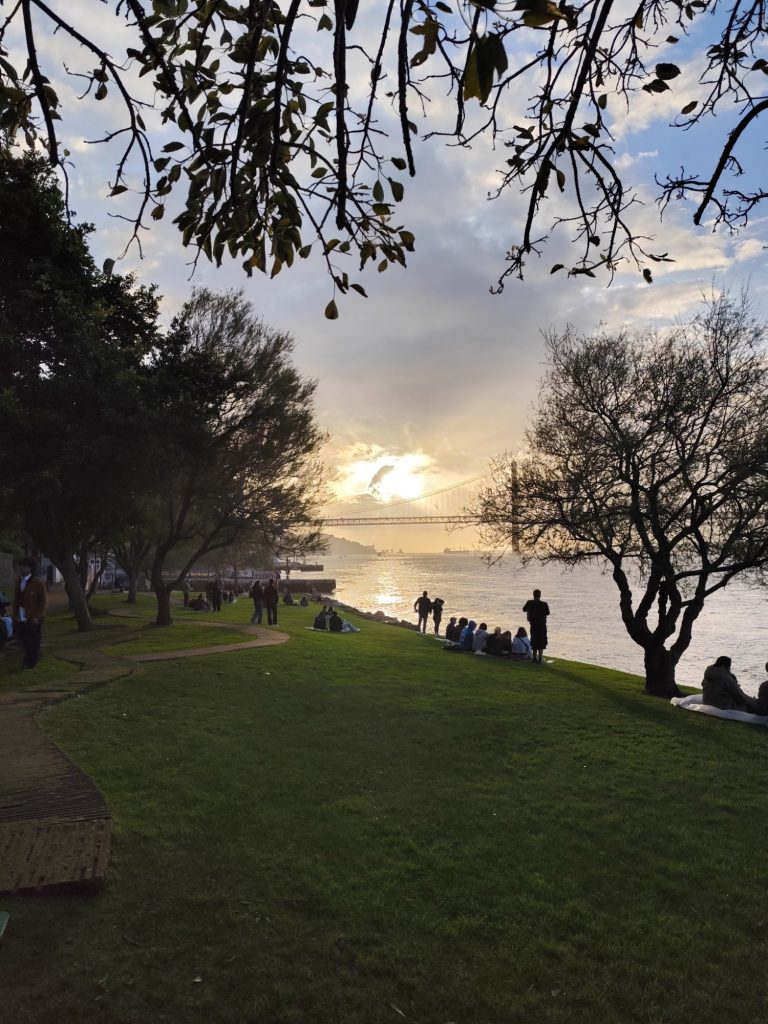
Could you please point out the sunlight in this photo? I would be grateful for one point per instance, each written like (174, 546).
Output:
(385, 477)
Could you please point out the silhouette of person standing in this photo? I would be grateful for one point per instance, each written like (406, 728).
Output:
(423, 606)
(537, 612)
(271, 598)
(29, 604)
(257, 595)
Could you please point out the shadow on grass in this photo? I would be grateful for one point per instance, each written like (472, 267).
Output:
(640, 704)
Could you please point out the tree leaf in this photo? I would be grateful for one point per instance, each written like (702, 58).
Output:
(331, 311)
(690, 107)
(666, 72)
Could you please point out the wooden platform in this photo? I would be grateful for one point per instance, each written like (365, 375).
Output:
(55, 827)
(41, 854)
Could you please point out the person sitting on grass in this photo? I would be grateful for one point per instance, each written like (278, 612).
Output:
(6, 624)
(760, 703)
(199, 604)
(468, 635)
(288, 598)
(335, 622)
(721, 689)
(480, 637)
(494, 644)
(304, 602)
(454, 645)
(452, 630)
(521, 648)
(321, 620)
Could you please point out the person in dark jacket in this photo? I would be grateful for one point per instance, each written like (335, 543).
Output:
(335, 622)
(271, 597)
(721, 689)
(452, 630)
(537, 612)
(423, 606)
(29, 604)
(321, 620)
(437, 613)
(759, 704)
(257, 596)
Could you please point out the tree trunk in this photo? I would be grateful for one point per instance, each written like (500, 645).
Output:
(163, 595)
(77, 601)
(660, 667)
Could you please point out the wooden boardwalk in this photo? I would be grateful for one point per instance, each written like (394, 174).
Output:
(55, 826)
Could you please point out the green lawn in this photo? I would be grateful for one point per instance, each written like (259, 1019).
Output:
(362, 829)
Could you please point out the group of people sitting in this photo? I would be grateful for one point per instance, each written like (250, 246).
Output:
(328, 618)
(720, 689)
(464, 635)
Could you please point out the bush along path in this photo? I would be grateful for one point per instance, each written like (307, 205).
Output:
(55, 826)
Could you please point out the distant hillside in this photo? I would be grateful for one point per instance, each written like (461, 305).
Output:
(342, 546)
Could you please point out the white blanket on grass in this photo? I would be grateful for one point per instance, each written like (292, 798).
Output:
(693, 702)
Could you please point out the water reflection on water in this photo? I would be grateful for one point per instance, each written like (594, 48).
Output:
(585, 624)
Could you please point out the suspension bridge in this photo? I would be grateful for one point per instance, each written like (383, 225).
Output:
(447, 506)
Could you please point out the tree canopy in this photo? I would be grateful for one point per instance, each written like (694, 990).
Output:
(284, 126)
(71, 345)
(648, 455)
(235, 438)
(126, 437)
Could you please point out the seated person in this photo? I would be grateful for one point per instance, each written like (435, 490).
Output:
(335, 622)
(481, 635)
(759, 704)
(199, 604)
(721, 689)
(467, 636)
(288, 598)
(6, 624)
(304, 602)
(320, 620)
(521, 646)
(452, 630)
(494, 644)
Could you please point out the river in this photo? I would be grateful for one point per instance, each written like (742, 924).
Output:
(584, 624)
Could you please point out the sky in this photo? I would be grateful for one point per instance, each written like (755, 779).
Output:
(423, 382)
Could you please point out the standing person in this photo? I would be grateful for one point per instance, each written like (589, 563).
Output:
(537, 612)
(423, 606)
(257, 595)
(271, 598)
(216, 595)
(437, 613)
(29, 604)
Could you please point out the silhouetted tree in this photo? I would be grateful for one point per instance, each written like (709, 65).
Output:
(237, 437)
(71, 347)
(649, 456)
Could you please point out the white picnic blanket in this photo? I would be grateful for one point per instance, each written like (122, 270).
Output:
(693, 702)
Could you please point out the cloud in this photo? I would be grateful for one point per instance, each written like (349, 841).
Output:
(378, 476)
(432, 367)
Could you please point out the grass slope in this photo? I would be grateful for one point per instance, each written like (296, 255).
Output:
(363, 828)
